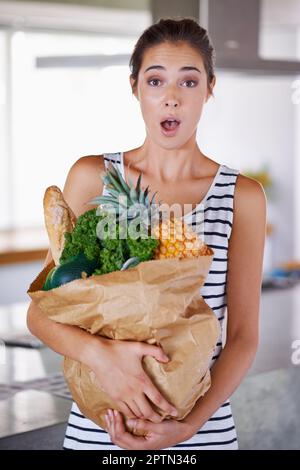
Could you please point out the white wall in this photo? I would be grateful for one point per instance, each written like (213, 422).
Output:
(251, 122)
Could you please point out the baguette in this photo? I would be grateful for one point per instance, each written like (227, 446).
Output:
(59, 218)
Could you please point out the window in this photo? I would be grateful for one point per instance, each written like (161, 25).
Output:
(62, 95)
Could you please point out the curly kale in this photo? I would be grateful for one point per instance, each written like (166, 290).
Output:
(112, 257)
(111, 249)
(83, 238)
(114, 252)
(142, 247)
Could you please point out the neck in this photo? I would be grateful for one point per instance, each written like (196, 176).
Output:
(170, 165)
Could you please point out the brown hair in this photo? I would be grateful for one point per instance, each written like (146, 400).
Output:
(174, 30)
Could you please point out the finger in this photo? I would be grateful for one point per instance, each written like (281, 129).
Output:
(119, 424)
(107, 429)
(156, 397)
(147, 411)
(125, 439)
(112, 423)
(126, 410)
(133, 405)
(154, 351)
(145, 425)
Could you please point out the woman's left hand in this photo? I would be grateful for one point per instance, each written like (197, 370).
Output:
(159, 436)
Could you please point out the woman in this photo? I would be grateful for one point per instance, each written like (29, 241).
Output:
(172, 78)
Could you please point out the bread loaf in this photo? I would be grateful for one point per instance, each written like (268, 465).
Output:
(59, 218)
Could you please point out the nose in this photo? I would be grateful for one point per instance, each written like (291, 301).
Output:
(170, 99)
(171, 103)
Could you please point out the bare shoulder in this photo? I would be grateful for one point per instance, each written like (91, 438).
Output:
(88, 164)
(249, 216)
(249, 193)
(249, 213)
(84, 182)
(249, 206)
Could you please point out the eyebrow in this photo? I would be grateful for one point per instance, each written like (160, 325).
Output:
(182, 69)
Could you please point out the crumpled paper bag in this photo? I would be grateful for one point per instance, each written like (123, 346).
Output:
(157, 301)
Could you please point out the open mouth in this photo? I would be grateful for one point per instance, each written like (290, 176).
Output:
(170, 124)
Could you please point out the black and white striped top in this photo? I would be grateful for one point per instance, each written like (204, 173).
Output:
(216, 217)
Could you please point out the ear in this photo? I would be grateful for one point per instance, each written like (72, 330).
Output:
(134, 92)
(209, 91)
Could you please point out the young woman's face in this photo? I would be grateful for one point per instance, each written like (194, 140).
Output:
(166, 91)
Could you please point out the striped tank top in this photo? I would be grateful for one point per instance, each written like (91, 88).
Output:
(219, 432)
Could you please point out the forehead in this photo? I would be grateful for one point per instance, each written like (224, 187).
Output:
(172, 56)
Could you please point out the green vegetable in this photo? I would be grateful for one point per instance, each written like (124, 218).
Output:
(142, 247)
(47, 284)
(108, 253)
(83, 238)
(116, 251)
(70, 271)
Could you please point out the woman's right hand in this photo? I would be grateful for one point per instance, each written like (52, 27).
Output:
(118, 368)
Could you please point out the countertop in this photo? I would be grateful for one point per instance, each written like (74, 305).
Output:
(266, 410)
(33, 394)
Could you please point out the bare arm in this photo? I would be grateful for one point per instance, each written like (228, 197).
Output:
(117, 364)
(77, 191)
(245, 262)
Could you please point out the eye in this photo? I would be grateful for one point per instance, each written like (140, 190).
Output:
(153, 80)
(191, 81)
(194, 82)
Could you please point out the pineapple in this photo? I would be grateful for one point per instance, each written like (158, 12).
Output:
(175, 238)
(178, 240)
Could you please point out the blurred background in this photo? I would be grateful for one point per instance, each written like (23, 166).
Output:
(64, 93)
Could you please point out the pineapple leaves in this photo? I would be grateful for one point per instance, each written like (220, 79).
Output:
(133, 195)
(114, 178)
(115, 183)
(121, 180)
(152, 199)
(102, 199)
(117, 186)
(138, 184)
(146, 195)
(131, 185)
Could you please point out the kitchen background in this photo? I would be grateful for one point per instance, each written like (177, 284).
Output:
(64, 93)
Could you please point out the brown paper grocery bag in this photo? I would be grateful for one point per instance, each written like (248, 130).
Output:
(157, 301)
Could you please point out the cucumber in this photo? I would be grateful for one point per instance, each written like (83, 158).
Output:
(47, 284)
(70, 271)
